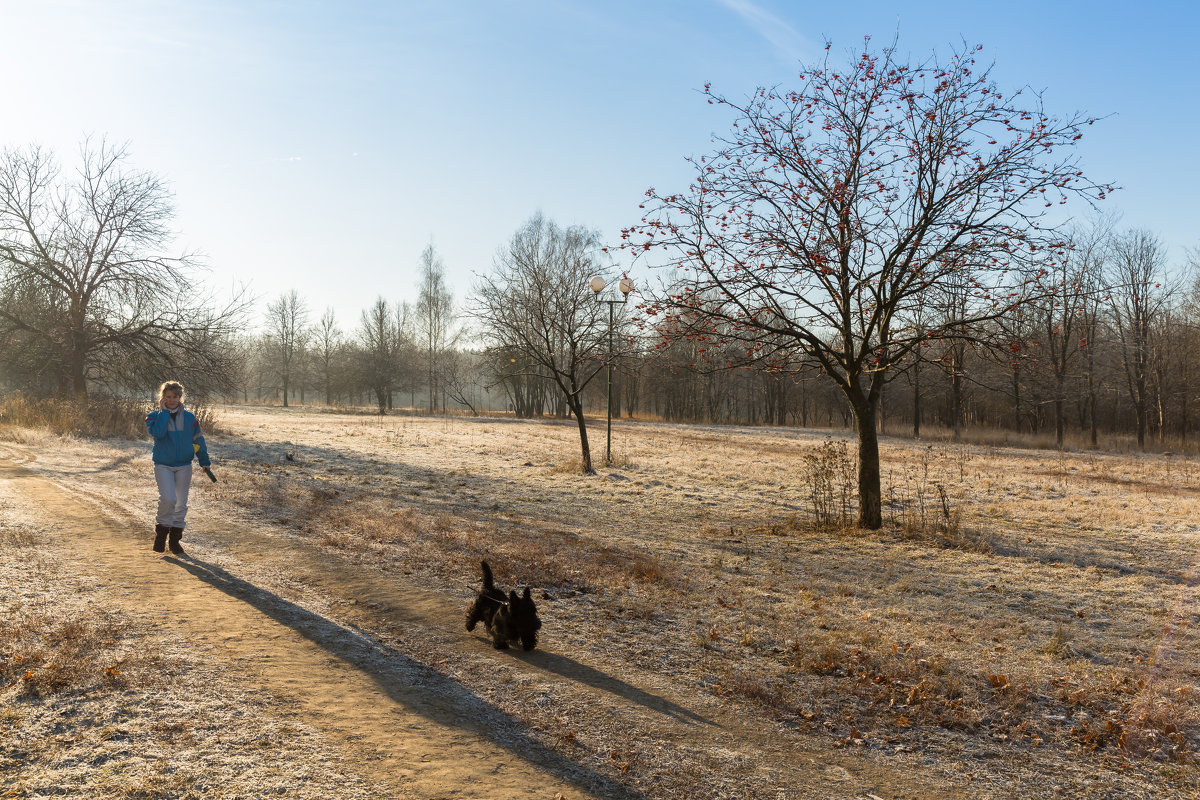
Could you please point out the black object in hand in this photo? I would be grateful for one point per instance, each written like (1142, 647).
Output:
(210, 475)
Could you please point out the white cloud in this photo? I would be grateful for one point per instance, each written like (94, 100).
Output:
(786, 40)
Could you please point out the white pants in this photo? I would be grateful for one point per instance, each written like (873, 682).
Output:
(173, 484)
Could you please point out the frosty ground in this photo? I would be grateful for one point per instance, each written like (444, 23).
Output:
(1024, 625)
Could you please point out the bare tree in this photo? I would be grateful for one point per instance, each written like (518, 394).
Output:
(287, 333)
(328, 342)
(383, 340)
(521, 377)
(433, 318)
(536, 301)
(1190, 344)
(836, 205)
(461, 377)
(87, 291)
(1135, 278)
(1074, 282)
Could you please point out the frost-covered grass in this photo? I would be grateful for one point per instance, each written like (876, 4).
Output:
(1029, 613)
(96, 702)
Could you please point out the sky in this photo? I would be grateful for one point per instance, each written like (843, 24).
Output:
(321, 145)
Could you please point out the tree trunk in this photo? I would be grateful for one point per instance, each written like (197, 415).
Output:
(585, 450)
(881, 414)
(1184, 420)
(1059, 420)
(1140, 411)
(870, 496)
(1160, 403)
(78, 374)
(1016, 388)
(956, 404)
(865, 406)
(916, 418)
(1093, 402)
(1059, 423)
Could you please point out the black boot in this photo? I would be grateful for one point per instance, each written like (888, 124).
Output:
(160, 538)
(176, 535)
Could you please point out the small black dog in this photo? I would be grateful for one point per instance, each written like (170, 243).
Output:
(508, 619)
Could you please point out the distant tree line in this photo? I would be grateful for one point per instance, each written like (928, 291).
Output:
(90, 299)
(1112, 352)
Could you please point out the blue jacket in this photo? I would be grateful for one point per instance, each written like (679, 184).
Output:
(174, 438)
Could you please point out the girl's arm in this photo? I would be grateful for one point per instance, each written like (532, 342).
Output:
(199, 446)
(156, 423)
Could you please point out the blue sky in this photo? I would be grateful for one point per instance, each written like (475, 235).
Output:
(320, 146)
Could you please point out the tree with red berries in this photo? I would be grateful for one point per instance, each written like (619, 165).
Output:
(831, 211)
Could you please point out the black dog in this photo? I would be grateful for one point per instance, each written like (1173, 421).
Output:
(508, 619)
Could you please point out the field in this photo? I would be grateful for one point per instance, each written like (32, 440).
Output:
(1025, 625)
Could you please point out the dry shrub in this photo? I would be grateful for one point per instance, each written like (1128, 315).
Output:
(206, 415)
(24, 411)
(1148, 719)
(951, 535)
(1160, 726)
(552, 559)
(621, 460)
(771, 694)
(100, 415)
(572, 466)
(1059, 644)
(925, 510)
(555, 559)
(629, 566)
(832, 481)
(322, 495)
(911, 686)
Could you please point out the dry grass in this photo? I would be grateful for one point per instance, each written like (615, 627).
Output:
(996, 603)
(101, 416)
(49, 649)
(44, 656)
(97, 701)
(1017, 607)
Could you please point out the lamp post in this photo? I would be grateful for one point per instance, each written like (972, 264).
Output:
(625, 286)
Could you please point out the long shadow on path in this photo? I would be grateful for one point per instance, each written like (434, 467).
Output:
(573, 670)
(406, 681)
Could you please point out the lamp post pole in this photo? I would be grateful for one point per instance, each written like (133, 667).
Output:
(626, 286)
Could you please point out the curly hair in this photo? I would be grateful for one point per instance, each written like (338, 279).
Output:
(171, 386)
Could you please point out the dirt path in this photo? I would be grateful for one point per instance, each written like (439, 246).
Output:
(374, 702)
(402, 721)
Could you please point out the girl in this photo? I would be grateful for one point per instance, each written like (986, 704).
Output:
(177, 440)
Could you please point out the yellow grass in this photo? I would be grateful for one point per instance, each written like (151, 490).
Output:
(98, 416)
(1019, 606)
(1032, 596)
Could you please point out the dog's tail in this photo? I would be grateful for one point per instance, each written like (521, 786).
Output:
(488, 582)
